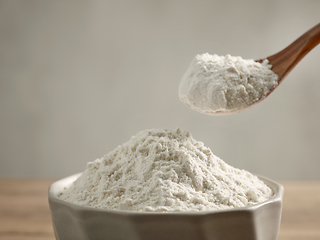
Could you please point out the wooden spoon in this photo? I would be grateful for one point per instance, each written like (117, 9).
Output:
(284, 61)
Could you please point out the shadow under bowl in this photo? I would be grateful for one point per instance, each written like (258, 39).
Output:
(74, 222)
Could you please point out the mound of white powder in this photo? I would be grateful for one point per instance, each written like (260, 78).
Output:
(164, 171)
(221, 84)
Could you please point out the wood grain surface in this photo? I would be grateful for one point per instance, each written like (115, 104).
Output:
(25, 214)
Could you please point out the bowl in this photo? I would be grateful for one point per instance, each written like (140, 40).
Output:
(74, 222)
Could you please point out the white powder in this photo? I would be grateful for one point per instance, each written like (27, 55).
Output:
(164, 171)
(222, 84)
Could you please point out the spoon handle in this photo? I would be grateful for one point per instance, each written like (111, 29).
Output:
(285, 60)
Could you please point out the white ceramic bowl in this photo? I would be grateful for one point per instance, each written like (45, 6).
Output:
(74, 222)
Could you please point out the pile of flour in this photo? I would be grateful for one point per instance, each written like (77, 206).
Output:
(221, 84)
(164, 171)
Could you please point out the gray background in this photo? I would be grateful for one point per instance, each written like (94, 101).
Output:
(78, 78)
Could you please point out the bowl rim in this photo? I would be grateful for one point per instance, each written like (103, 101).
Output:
(59, 185)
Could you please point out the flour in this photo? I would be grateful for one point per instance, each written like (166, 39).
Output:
(221, 84)
(164, 171)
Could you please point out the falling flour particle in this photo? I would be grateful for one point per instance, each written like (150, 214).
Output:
(221, 84)
(164, 171)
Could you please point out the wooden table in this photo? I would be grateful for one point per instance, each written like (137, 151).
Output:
(25, 215)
